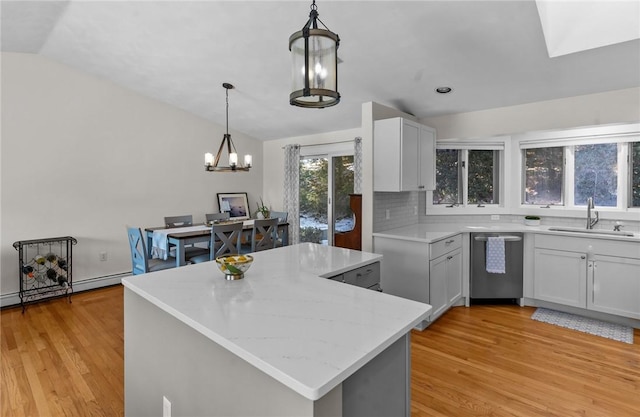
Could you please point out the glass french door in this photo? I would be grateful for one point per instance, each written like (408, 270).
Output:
(325, 184)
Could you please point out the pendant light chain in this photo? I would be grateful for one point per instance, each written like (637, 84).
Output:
(227, 110)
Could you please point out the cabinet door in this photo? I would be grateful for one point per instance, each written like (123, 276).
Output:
(427, 180)
(410, 163)
(614, 286)
(398, 155)
(438, 297)
(454, 276)
(445, 282)
(560, 277)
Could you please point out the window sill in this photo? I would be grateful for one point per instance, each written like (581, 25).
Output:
(606, 213)
(466, 210)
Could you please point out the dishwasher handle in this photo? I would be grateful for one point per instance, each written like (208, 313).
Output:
(507, 238)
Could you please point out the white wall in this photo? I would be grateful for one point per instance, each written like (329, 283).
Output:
(81, 156)
(620, 106)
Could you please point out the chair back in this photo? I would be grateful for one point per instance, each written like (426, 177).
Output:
(280, 215)
(178, 221)
(282, 218)
(264, 234)
(225, 239)
(211, 217)
(139, 260)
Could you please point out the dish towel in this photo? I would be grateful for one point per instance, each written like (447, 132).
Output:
(495, 255)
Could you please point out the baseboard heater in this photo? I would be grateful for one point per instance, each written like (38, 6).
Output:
(13, 299)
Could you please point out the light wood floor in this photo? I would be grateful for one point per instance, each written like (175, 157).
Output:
(61, 359)
(496, 361)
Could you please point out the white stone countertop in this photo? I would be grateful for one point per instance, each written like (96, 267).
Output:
(432, 232)
(305, 331)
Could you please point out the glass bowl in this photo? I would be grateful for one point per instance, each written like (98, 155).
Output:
(234, 266)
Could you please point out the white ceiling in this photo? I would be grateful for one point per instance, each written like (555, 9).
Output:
(492, 53)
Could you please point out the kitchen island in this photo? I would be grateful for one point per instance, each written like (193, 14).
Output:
(282, 341)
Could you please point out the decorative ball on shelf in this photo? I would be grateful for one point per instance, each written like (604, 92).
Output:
(41, 277)
(62, 281)
(52, 274)
(62, 264)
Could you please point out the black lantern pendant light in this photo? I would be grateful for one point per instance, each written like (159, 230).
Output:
(211, 165)
(314, 55)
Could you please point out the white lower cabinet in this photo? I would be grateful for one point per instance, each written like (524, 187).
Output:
(596, 274)
(613, 285)
(560, 277)
(445, 281)
(427, 272)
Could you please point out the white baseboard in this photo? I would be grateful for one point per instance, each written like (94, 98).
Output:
(12, 299)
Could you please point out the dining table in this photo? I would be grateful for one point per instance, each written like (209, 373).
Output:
(160, 239)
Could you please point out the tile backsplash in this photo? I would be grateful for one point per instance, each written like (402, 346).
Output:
(402, 209)
(407, 208)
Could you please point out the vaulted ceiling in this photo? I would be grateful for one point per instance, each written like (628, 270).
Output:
(492, 53)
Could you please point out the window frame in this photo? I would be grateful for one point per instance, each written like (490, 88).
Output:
(629, 176)
(623, 134)
(501, 144)
(523, 179)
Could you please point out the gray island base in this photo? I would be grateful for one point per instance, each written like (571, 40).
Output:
(284, 341)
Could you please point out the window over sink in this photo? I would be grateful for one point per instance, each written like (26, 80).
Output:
(581, 168)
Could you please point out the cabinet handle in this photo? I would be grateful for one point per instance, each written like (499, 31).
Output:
(583, 257)
(449, 257)
(448, 242)
(421, 186)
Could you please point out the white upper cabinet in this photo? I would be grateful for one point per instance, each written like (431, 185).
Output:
(403, 156)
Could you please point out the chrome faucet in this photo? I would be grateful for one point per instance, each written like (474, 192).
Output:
(590, 206)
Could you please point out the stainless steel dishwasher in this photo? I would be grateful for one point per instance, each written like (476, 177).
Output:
(490, 286)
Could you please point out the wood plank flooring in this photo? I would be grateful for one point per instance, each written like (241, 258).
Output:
(61, 359)
(496, 361)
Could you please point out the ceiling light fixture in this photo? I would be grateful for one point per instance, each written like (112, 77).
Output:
(444, 90)
(314, 54)
(211, 165)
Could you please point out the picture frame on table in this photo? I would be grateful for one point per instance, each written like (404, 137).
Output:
(236, 204)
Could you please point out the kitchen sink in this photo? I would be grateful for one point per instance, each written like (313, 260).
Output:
(591, 231)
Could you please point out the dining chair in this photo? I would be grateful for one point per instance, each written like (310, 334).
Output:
(140, 261)
(264, 235)
(280, 215)
(282, 218)
(211, 217)
(178, 221)
(225, 239)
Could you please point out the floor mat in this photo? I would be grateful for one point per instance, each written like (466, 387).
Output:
(586, 325)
